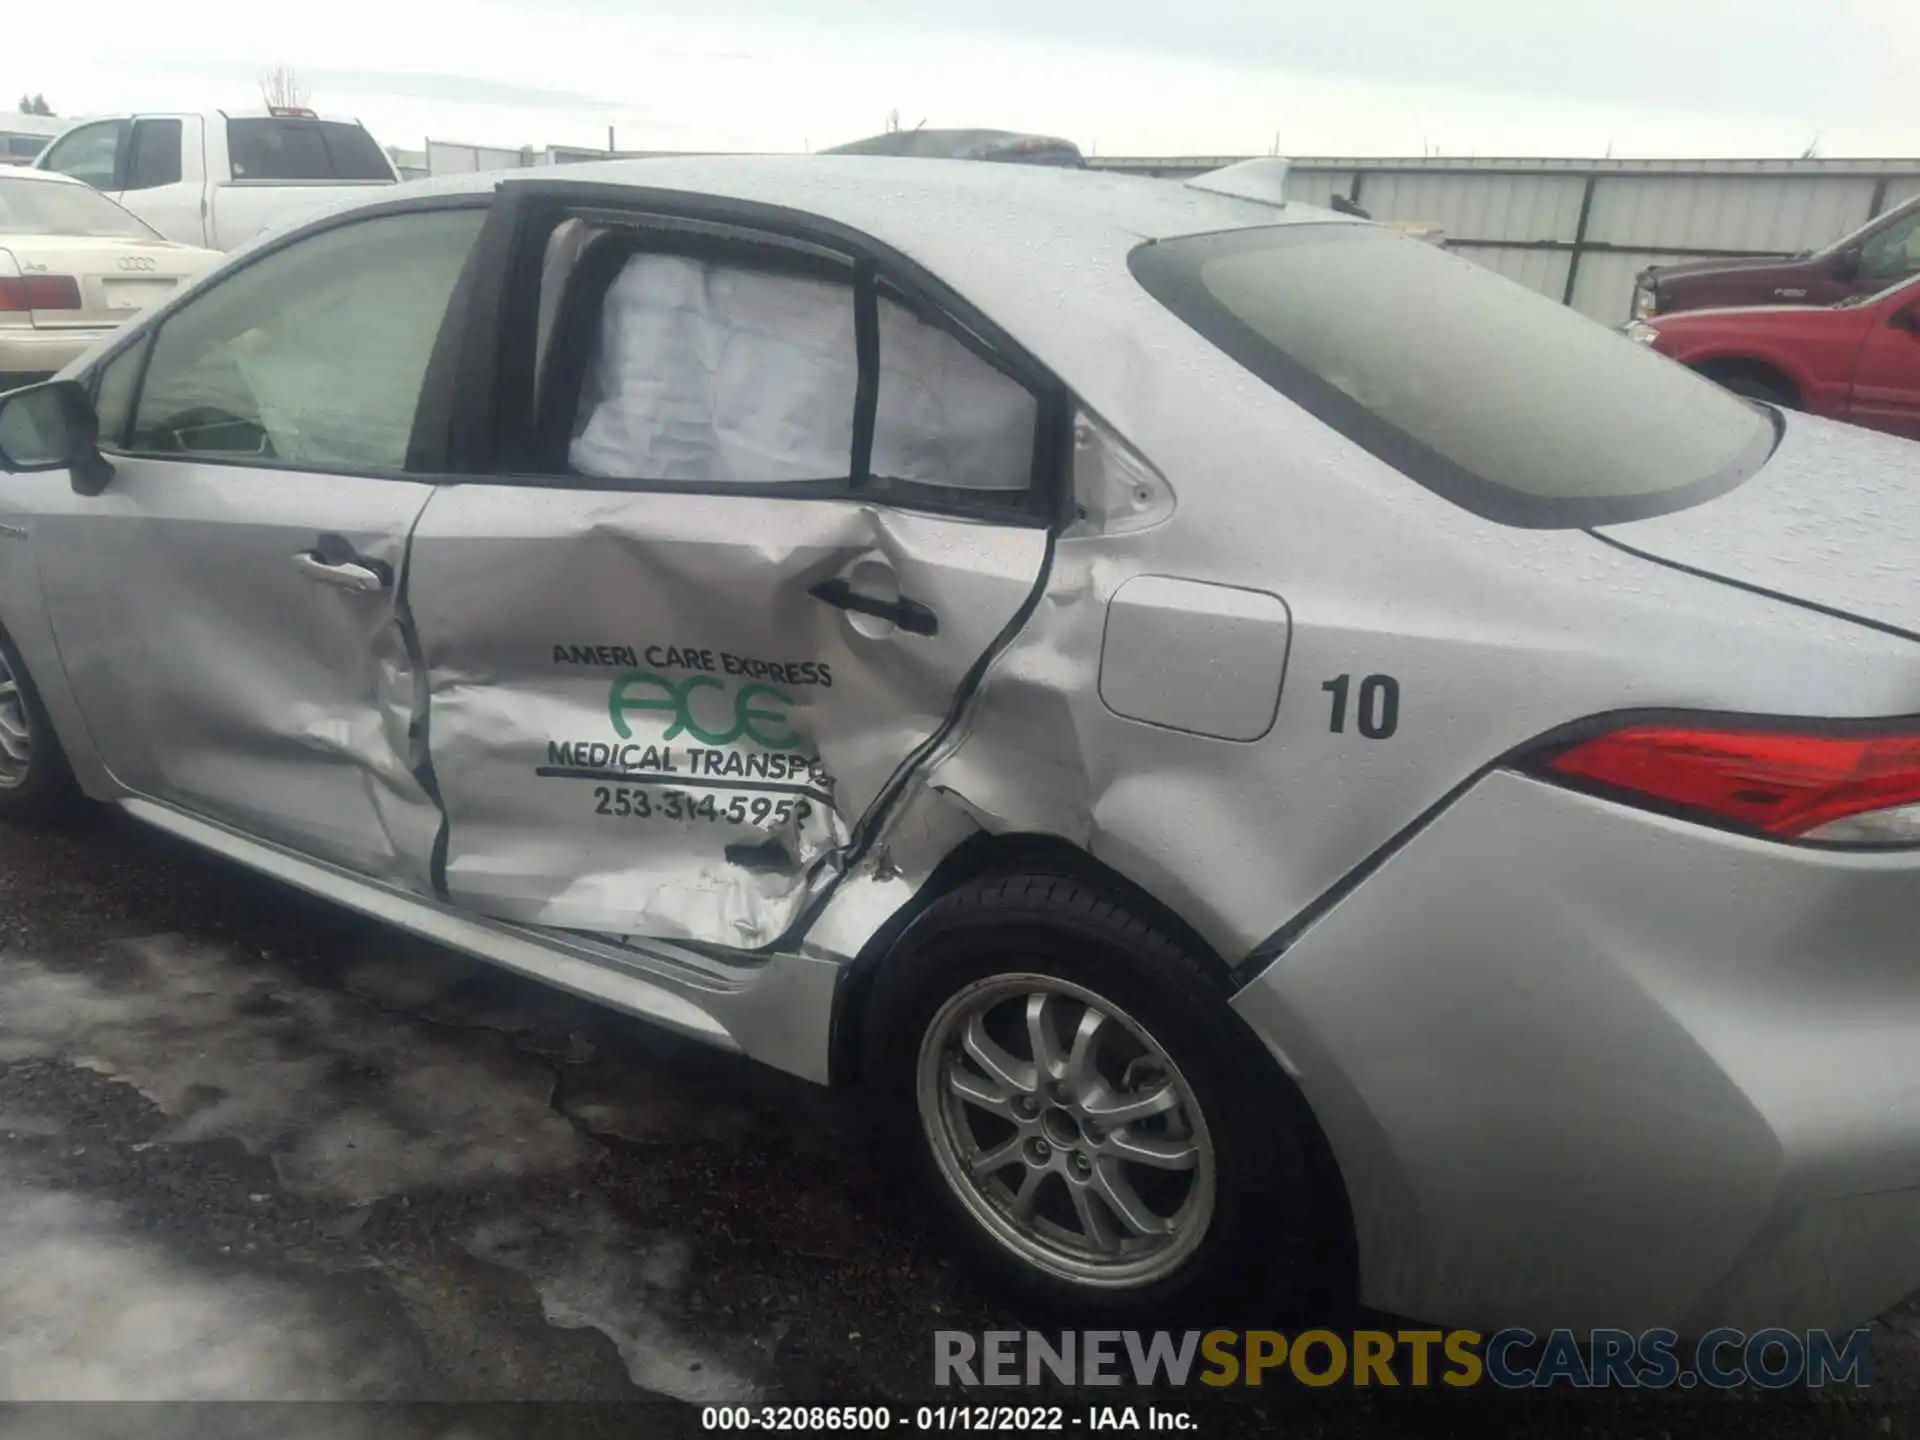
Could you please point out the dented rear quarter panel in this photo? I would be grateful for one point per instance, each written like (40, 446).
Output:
(1494, 634)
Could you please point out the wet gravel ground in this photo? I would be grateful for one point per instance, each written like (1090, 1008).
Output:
(255, 1149)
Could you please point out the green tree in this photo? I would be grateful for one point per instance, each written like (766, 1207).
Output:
(35, 105)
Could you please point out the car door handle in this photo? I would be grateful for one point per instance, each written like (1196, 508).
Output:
(909, 615)
(346, 574)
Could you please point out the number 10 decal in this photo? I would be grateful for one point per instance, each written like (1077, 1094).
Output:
(1378, 714)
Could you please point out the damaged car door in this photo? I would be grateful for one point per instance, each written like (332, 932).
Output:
(758, 514)
(229, 605)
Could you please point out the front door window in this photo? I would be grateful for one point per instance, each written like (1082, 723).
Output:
(1893, 253)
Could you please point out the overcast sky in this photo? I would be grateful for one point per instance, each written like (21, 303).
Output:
(1337, 77)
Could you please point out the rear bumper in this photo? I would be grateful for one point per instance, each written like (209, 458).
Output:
(41, 352)
(1590, 1067)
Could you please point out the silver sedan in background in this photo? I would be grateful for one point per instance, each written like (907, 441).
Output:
(1281, 757)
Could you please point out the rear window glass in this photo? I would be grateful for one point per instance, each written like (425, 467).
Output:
(277, 148)
(53, 207)
(1505, 402)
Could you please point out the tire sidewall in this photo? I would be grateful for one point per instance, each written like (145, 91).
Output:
(1139, 971)
(49, 791)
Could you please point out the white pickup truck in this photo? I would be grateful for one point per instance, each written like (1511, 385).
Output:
(218, 179)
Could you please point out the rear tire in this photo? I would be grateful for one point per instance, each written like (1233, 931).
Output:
(36, 782)
(1156, 1163)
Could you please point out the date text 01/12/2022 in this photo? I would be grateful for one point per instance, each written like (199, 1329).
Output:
(989, 1419)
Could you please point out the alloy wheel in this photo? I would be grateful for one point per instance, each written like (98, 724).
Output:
(16, 736)
(1066, 1130)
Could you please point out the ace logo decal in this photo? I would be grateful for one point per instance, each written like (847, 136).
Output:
(758, 712)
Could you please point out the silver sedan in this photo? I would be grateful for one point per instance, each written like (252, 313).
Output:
(1282, 758)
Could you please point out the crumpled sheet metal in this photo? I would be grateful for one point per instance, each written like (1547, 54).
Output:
(1038, 753)
(292, 726)
(642, 724)
(346, 749)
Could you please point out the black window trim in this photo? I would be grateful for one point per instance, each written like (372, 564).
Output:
(423, 450)
(1176, 284)
(493, 419)
(458, 425)
(115, 444)
(123, 160)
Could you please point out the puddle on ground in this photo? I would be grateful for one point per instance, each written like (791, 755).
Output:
(354, 1099)
(351, 1104)
(90, 1310)
(592, 1271)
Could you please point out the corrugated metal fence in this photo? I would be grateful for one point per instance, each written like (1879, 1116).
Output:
(447, 158)
(1581, 230)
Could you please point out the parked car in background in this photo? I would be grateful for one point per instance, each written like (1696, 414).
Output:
(1884, 250)
(23, 137)
(218, 179)
(1239, 727)
(74, 266)
(1002, 145)
(1858, 360)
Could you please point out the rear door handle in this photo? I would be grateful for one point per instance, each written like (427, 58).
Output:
(909, 615)
(333, 562)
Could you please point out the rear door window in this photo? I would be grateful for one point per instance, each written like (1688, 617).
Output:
(1505, 402)
(699, 370)
(275, 147)
(155, 159)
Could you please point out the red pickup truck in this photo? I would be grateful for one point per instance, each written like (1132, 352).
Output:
(1858, 360)
(1880, 253)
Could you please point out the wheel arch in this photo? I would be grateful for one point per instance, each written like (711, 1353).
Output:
(981, 855)
(1721, 368)
(25, 627)
(1326, 1192)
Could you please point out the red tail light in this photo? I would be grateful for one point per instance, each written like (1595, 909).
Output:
(1783, 783)
(40, 292)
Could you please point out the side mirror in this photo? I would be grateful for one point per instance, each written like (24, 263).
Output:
(1846, 265)
(1907, 319)
(53, 427)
